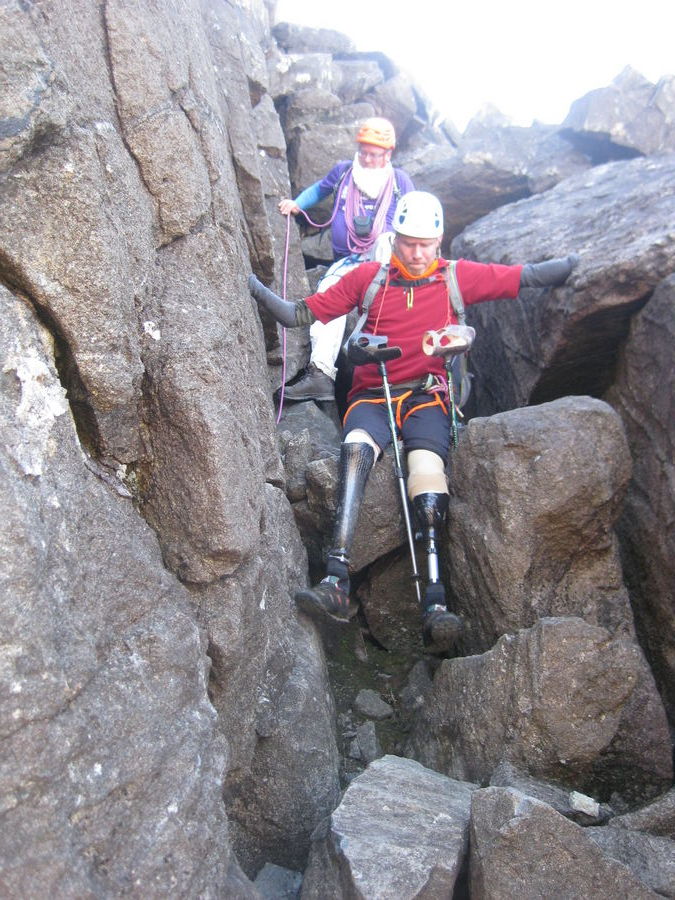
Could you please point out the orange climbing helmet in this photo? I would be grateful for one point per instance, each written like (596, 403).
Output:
(379, 132)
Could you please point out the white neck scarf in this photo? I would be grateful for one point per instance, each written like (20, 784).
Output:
(370, 181)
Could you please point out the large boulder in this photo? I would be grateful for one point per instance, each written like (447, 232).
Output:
(645, 529)
(656, 818)
(548, 344)
(269, 685)
(651, 858)
(112, 762)
(563, 701)
(400, 831)
(490, 167)
(630, 117)
(521, 847)
(137, 191)
(535, 494)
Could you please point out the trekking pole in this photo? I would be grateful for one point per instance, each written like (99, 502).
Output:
(367, 348)
(449, 342)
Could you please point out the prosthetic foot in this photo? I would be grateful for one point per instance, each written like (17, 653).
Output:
(330, 598)
(440, 628)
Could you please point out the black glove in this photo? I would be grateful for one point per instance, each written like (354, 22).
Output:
(552, 272)
(284, 311)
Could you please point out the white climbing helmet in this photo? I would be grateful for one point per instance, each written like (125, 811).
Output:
(419, 214)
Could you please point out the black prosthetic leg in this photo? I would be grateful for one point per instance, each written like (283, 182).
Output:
(440, 627)
(330, 598)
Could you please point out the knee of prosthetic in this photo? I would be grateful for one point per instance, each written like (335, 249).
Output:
(427, 488)
(430, 511)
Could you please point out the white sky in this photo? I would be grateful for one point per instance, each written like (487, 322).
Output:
(529, 58)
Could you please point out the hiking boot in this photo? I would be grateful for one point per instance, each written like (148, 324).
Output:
(440, 629)
(326, 600)
(314, 385)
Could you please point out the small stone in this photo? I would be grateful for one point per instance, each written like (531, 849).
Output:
(370, 704)
(583, 803)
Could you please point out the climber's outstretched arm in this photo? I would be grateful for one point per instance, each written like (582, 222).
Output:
(289, 313)
(551, 272)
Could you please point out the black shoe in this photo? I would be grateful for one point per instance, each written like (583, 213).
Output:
(326, 600)
(440, 629)
(314, 385)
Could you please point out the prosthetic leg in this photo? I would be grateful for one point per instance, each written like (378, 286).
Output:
(428, 492)
(330, 598)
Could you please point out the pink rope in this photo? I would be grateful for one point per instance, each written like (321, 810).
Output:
(354, 207)
(283, 294)
(283, 330)
(321, 224)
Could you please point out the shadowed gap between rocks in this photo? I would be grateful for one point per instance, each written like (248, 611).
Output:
(588, 364)
(64, 361)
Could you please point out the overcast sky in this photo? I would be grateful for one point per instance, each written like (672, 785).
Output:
(529, 58)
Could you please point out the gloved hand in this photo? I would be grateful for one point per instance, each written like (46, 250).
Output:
(552, 272)
(284, 311)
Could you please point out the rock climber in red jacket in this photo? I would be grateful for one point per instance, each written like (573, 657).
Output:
(412, 301)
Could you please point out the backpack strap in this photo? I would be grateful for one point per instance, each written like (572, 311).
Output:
(340, 182)
(379, 280)
(460, 363)
(456, 299)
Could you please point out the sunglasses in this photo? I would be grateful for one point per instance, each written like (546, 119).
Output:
(369, 154)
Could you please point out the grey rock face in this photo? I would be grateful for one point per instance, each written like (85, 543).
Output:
(399, 832)
(632, 116)
(651, 859)
(647, 409)
(134, 203)
(300, 39)
(492, 166)
(561, 701)
(60, 260)
(270, 688)
(112, 761)
(656, 818)
(581, 808)
(521, 847)
(535, 494)
(545, 345)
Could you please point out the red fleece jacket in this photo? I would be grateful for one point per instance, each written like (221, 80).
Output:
(404, 318)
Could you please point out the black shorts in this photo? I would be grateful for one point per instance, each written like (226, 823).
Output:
(421, 419)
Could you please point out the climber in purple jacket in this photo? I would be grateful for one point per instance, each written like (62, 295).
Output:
(366, 190)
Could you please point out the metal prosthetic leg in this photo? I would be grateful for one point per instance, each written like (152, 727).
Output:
(440, 627)
(330, 598)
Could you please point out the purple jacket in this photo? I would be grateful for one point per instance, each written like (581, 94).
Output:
(320, 189)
